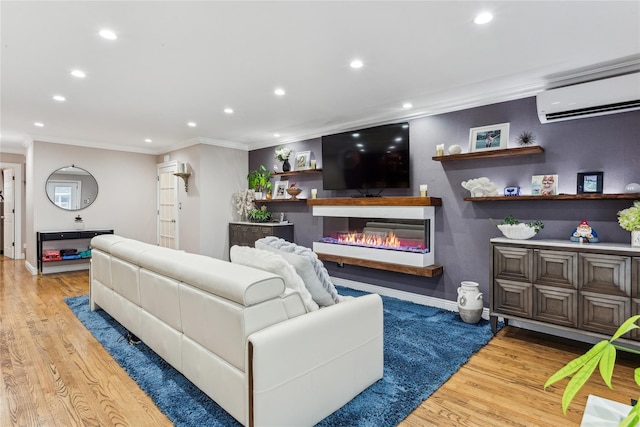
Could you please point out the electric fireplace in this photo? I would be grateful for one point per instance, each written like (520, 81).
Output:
(386, 234)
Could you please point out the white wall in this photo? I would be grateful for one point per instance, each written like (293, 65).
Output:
(216, 173)
(126, 199)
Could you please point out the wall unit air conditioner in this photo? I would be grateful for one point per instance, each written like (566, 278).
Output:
(596, 98)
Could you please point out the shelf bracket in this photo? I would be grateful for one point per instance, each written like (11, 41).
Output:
(185, 178)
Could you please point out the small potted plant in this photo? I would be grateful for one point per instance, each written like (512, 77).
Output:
(629, 219)
(512, 228)
(260, 180)
(260, 214)
(282, 154)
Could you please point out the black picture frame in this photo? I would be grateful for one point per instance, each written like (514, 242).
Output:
(590, 182)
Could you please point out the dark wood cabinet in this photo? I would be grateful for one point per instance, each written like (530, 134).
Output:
(246, 233)
(590, 289)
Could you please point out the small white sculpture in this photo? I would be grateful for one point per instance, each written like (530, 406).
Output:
(455, 149)
(481, 187)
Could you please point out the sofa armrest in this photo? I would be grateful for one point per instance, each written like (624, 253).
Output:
(304, 369)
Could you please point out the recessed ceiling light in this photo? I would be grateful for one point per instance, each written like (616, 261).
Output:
(191, 124)
(355, 135)
(228, 110)
(148, 140)
(108, 34)
(483, 18)
(277, 135)
(356, 63)
(279, 91)
(39, 124)
(59, 98)
(407, 105)
(79, 74)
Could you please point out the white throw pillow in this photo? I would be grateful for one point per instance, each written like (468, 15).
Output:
(276, 264)
(307, 265)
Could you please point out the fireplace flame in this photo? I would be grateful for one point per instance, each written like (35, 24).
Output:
(374, 240)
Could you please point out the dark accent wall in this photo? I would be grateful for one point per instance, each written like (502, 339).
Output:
(608, 143)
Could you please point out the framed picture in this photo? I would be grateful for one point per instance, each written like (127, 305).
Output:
(590, 182)
(303, 160)
(493, 137)
(544, 185)
(280, 190)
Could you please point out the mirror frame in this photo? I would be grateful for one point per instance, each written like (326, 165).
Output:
(79, 199)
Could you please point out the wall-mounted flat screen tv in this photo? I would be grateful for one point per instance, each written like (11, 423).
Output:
(367, 159)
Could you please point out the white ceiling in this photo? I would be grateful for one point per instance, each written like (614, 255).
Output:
(179, 61)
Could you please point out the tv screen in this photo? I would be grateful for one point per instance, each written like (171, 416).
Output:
(367, 159)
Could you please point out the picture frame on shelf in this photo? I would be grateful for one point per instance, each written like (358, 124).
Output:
(302, 161)
(492, 137)
(544, 185)
(280, 190)
(590, 182)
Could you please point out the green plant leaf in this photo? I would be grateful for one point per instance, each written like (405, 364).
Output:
(607, 363)
(577, 363)
(636, 376)
(578, 380)
(627, 326)
(632, 418)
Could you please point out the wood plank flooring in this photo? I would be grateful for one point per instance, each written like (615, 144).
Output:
(54, 373)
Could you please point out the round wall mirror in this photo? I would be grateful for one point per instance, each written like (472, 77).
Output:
(71, 188)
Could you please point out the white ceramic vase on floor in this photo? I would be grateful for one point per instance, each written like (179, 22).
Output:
(470, 302)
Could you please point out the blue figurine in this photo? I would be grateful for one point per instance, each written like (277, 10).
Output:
(583, 233)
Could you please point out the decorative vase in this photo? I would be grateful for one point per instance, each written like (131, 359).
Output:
(470, 304)
(286, 167)
(635, 239)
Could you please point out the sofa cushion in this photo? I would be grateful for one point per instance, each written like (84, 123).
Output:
(307, 265)
(273, 263)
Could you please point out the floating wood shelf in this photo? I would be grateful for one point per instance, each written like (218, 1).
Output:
(507, 152)
(298, 199)
(622, 196)
(376, 201)
(428, 271)
(300, 172)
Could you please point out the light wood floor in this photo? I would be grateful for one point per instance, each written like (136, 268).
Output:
(54, 373)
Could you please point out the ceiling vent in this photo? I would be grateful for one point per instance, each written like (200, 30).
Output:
(596, 98)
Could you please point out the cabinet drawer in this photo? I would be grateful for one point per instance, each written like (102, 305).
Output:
(63, 235)
(510, 297)
(555, 305)
(512, 263)
(605, 274)
(602, 313)
(89, 234)
(556, 268)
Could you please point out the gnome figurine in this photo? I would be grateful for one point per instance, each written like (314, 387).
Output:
(583, 233)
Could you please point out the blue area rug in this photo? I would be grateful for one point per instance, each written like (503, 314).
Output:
(423, 347)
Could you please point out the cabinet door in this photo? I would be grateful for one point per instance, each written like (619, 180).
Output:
(511, 297)
(635, 293)
(556, 268)
(558, 305)
(604, 284)
(512, 263)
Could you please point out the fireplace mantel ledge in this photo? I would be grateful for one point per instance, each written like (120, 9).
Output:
(376, 201)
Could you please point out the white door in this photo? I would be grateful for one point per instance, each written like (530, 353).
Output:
(168, 205)
(8, 192)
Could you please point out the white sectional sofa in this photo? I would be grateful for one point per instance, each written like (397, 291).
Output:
(238, 333)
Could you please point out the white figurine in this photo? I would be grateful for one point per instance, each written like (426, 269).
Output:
(481, 187)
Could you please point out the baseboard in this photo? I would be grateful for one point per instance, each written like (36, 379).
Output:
(30, 268)
(403, 295)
